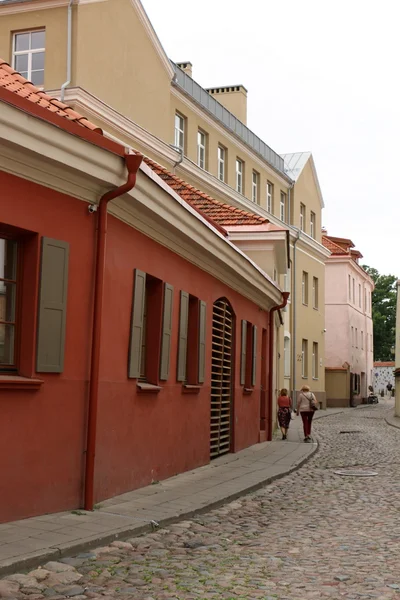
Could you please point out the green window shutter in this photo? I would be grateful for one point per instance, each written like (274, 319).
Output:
(254, 357)
(166, 331)
(135, 345)
(183, 335)
(243, 354)
(52, 306)
(202, 341)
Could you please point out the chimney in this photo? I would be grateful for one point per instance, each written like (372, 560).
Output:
(186, 67)
(234, 98)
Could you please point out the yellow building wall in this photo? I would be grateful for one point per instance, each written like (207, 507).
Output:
(305, 191)
(54, 21)
(216, 137)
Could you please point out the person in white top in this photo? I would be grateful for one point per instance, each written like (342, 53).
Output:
(306, 406)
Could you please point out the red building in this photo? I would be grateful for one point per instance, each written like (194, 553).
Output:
(134, 336)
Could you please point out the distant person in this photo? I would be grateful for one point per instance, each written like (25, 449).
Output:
(306, 406)
(389, 388)
(284, 412)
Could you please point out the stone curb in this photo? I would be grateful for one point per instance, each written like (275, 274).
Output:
(34, 560)
(395, 425)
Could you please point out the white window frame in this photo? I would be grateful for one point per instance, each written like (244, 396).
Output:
(304, 288)
(302, 217)
(315, 360)
(315, 293)
(312, 224)
(221, 163)
(180, 131)
(239, 176)
(254, 186)
(270, 192)
(201, 149)
(28, 52)
(282, 205)
(304, 357)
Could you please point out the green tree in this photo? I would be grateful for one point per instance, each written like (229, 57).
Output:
(383, 313)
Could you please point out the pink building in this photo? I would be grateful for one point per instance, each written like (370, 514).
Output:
(348, 322)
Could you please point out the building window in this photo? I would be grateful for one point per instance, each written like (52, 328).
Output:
(287, 282)
(356, 335)
(354, 291)
(239, 176)
(315, 292)
(283, 207)
(270, 196)
(255, 187)
(302, 217)
(365, 300)
(275, 274)
(359, 295)
(352, 337)
(8, 303)
(180, 131)
(151, 329)
(201, 149)
(221, 163)
(28, 55)
(304, 288)
(286, 356)
(350, 288)
(312, 225)
(362, 340)
(315, 360)
(192, 326)
(304, 358)
(248, 361)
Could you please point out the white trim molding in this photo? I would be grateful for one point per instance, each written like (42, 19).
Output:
(37, 151)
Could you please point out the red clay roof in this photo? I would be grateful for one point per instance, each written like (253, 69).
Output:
(218, 212)
(334, 248)
(14, 82)
(384, 364)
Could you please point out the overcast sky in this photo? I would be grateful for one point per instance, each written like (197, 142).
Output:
(322, 76)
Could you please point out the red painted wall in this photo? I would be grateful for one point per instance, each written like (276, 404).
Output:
(141, 437)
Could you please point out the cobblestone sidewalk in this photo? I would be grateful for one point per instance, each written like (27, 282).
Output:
(30, 542)
(313, 534)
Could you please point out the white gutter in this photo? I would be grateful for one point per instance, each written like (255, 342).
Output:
(69, 52)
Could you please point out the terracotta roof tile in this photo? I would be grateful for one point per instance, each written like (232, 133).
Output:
(220, 213)
(334, 248)
(14, 82)
(384, 364)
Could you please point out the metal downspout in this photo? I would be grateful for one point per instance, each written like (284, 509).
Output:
(285, 296)
(294, 298)
(69, 52)
(133, 162)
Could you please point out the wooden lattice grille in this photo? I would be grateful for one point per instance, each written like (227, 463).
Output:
(221, 379)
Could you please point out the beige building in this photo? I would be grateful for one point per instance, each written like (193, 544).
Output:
(104, 58)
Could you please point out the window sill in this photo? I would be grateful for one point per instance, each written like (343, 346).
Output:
(247, 391)
(191, 389)
(15, 382)
(148, 388)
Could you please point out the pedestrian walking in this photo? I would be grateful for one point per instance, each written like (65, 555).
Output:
(306, 406)
(284, 412)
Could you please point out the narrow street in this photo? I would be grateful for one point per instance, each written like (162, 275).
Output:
(312, 534)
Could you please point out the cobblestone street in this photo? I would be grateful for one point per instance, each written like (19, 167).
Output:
(312, 534)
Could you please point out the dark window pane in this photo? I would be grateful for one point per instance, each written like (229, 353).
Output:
(38, 39)
(7, 301)
(6, 344)
(8, 259)
(37, 77)
(38, 61)
(22, 41)
(21, 62)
